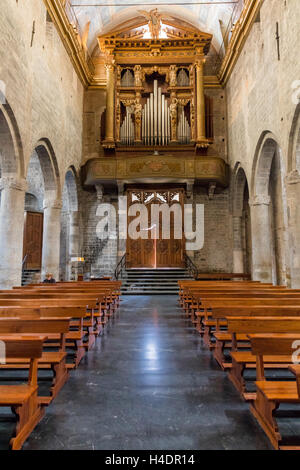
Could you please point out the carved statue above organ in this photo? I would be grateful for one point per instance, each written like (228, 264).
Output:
(155, 85)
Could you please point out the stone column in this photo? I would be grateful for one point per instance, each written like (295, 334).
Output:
(201, 132)
(74, 244)
(293, 200)
(238, 253)
(51, 238)
(110, 97)
(74, 235)
(11, 230)
(261, 239)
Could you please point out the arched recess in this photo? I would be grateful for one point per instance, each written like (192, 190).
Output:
(12, 193)
(11, 149)
(241, 222)
(70, 224)
(293, 199)
(269, 213)
(294, 143)
(42, 227)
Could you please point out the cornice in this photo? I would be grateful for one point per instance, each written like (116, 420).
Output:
(69, 38)
(239, 36)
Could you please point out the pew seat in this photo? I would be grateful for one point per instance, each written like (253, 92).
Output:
(23, 399)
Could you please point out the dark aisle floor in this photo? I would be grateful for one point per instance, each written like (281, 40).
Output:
(148, 384)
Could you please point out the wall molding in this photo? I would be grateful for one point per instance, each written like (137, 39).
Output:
(239, 36)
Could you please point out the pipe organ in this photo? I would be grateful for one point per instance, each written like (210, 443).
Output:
(127, 129)
(156, 118)
(184, 130)
(155, 88)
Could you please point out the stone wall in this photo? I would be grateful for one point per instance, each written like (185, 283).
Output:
(216, 255)
(100, 255)
(259, 91)
(263, 104)
(40, 83)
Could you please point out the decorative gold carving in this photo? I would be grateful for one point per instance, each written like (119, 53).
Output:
(173, 114)
(203, 169)
(138, 118)
(173, 75)
(138, 76)
(154, 21)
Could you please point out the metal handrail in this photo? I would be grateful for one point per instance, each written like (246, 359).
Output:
(120, 267)
(190, 266)
(24, 261)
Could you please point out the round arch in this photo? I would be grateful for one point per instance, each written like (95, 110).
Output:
(49, 167)
(265, 151)
(239, 185)
(294, 143)
(71, 185)
(269, 212)
(11, 149)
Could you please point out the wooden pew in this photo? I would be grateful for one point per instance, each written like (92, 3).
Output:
(221, 313)
(206, 321)
(241, 360)
(74, 339)
(56, 361)
(23, 399)
(271, 394)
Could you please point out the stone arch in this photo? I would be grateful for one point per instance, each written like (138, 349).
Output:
(265, 150)
(239, 186)
(294, 143)
(11, 149)
(49, 167)
(70, 223)
(43, 182)
(12, 193)
(293, 197)
(241, 221)
(71, 184)
(269, 212)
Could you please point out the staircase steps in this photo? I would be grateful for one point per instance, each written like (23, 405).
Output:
(27, 276)
(152, 281)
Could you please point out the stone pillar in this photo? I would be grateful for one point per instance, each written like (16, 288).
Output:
(74, 244)
(238, 253)
(293, 201)
(11, 230)
(110, 97)
(51, 238)
(261, 239)
(74, 236)
(201, 132)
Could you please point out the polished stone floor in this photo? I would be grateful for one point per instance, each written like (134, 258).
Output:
(148, 384)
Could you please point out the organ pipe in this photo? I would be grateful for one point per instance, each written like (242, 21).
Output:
(156, 122)
(155, 118)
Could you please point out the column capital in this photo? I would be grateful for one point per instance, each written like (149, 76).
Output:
(260, 200)
(109, 67)
(13, 182)
(293, 177)
(199, 63)
(50, 203)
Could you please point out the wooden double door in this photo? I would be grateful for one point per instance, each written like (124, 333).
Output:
(33, 240)
(153, 249)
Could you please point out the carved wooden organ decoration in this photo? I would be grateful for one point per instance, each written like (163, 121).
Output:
(155, 83)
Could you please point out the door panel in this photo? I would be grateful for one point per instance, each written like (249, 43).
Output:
(159, 252)
(33, 239)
